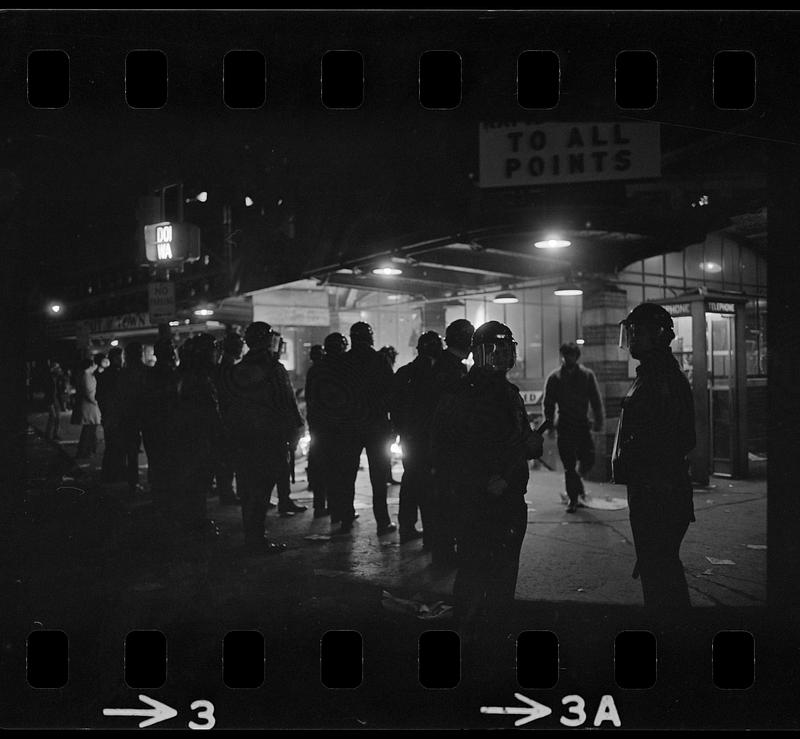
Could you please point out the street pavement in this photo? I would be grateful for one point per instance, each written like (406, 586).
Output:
(86, 559)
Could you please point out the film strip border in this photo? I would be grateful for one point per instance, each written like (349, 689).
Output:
(342, 653)
(244, 85)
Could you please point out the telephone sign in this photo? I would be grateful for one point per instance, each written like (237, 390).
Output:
(172, 242)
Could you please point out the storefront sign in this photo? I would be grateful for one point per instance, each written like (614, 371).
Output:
(291, 315)
(161, 301)
(531, 397)
(721, 307)
(168, 243)
(110, 324)
(514, 154)
(678, 309)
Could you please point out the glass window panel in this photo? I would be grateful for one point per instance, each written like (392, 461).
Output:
(551, 338)
(654, 266)
(675, 264)
(694, 257)
(730, 265)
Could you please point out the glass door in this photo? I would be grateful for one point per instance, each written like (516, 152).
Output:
(721, 391)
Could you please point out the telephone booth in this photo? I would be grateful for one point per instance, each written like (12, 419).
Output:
(710, 347)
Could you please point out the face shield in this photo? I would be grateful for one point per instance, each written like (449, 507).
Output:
(277, 345)
(499, 357)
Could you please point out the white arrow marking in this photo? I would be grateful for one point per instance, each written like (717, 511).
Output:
(531, 712)
(159, 711)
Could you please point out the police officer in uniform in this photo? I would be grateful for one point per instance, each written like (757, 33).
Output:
(413, 402)
(655, 434)
(449, 370)
(481, 441)
(260, 417)
(366, 379)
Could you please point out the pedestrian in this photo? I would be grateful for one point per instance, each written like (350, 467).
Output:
(87, 411)
(108, 400)
(449, 370)
(481, 441)
(132, 392)
(158, 437)
(390, 354)
(314, 474)
(325, 405)
(412, 406)
(366, 381)
(196, 431)
(231, 347)
(53, 397)
(573, 388)
(260, 417)
(655, 434)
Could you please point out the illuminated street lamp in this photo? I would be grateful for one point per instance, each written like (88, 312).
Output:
(248, 201)
(506, 297)
(201, 197)
(55, 309)
(387, 270)
(204, 312)
(552, 242)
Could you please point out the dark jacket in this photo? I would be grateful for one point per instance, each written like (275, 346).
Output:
(132, 393)
(656, 428)
(573, 392)
(448, 371)
(257, 402)
(413, 399)
(350, 392)
(480, 429)
(107, 395)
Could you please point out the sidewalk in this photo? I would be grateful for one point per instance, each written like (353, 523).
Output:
(586, 557)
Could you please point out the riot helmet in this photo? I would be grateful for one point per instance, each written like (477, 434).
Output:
(361, 333)
(335, 343)
(316, 353)
(651, 318)
(493, 347)
(430, 345)
(232, 344)
(260, 335)
(458, 335)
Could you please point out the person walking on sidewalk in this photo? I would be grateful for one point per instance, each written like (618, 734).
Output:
(132, 388)
(573, 388)
(87, 411)
(53, 397)
(412, 406)
(654, 436)
(481, 441)
(108, 399)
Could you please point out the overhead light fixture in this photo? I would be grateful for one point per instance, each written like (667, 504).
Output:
(580, 341)
(710, 267)
(552, 242)
(114, 342)
(506, 297)
(55, 308)
(248, 201)
(204, 312)
(387, 271)
(201, 197)
(567, 290)
(174, 323)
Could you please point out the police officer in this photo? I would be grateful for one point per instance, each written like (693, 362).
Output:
(413, 402)
(366, 380)
(260, 415)
(481, 441)
(314, 471)
(232, 346)
(327, 408)
(655, 433)
(161, 392)
(449, 370)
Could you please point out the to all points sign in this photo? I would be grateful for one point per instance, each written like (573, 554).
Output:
(517, 154)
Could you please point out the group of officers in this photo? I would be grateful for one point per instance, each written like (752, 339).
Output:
(465, 435)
